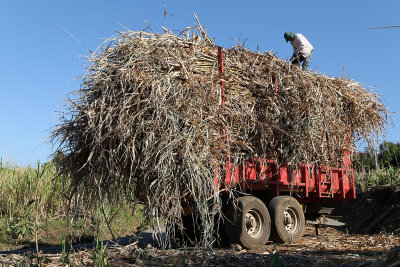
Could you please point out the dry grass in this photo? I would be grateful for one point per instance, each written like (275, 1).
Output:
(149, 118)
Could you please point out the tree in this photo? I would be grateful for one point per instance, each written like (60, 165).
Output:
(365, 160)
(389, 154)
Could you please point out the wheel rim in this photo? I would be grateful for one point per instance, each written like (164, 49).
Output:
(290, 220)
(253, 223)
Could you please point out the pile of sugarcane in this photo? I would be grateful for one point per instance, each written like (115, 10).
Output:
(151, 119)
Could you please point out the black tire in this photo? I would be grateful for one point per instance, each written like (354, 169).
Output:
(287, 219)
(248, 222)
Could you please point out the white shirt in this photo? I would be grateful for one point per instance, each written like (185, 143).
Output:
(302, 45)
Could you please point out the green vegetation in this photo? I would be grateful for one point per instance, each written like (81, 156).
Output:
(376, 177)
(375, 167)
(183, 260)
(34, 210)
(387, 155)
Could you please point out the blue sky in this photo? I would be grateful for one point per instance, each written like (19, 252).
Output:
(40, 60)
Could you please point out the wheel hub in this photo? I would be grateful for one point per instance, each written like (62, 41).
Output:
(253, 223)
(290, 220)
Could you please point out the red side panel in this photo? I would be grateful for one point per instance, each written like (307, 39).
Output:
(313, 183)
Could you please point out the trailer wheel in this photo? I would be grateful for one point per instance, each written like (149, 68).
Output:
(248, 222)
(287, 218)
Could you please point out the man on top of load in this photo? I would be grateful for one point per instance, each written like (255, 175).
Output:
(302, 49)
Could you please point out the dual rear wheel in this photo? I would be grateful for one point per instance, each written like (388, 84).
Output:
(250, 223)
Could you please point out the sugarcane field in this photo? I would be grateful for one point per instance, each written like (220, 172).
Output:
(172, 146)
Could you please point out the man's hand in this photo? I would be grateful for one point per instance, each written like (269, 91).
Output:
(295, 59)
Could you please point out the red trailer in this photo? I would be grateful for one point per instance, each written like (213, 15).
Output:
(274, 199)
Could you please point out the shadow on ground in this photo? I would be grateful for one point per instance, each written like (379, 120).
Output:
(143, 239)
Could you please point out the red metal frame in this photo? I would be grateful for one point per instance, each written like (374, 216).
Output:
(312, 183)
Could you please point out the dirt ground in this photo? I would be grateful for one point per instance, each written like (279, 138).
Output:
(331, 248)
(371, 238)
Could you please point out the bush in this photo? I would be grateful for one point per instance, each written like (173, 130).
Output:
(377, 177)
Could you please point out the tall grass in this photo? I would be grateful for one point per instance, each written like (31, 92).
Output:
(33, 200)
(367, 179)
(22, 189)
